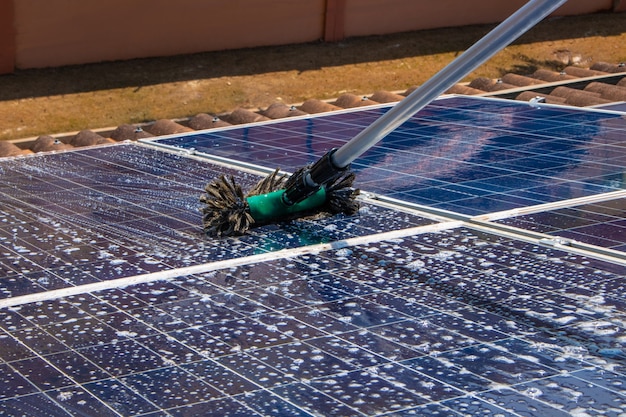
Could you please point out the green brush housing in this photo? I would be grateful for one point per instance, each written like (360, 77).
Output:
(265, 208)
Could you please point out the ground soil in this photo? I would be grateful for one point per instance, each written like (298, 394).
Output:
(55, 100)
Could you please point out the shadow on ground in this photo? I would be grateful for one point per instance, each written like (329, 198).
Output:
(304, 57)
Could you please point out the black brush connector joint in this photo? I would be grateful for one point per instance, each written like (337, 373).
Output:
(311, 180)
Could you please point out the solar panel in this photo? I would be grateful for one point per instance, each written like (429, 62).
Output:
(428, 301)
(432, 319)
(468, 155)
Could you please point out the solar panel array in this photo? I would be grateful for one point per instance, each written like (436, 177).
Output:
(454, 291)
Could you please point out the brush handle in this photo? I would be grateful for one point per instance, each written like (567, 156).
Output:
(502, 35)
(337, 161)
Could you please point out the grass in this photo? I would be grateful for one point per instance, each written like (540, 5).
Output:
(54, 100)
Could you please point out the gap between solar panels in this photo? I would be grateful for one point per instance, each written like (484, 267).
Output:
(570, 245)
(486, 223)
(478, 223)
(229, 263)
(598, 198)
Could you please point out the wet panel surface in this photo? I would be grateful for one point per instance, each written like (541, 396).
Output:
(432, 341)
(128, 210)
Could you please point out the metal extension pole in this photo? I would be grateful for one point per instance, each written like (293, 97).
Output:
(502, 35)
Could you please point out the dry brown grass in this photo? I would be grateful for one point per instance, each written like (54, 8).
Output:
(47, 101)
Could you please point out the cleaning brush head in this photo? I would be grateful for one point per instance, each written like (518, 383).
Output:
(227, 211)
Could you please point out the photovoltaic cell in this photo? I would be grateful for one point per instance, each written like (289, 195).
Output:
(386, 313)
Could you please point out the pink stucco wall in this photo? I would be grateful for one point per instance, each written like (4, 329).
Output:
(36, 33)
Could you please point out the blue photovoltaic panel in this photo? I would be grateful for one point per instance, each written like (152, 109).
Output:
(468, 155)
(454, 323)
(413, 322)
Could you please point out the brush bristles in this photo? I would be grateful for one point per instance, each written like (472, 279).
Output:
(227, 213)
(226, 210)
(269, 184)
(341, 196)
